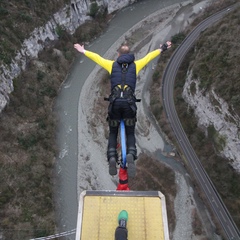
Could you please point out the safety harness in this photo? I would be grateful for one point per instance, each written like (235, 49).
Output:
(123, 91)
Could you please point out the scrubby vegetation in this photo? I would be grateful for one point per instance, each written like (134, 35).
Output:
(216, 66)
(28, 123)
(18, 18)
(214, 60)
(212, 63)
(27, 149)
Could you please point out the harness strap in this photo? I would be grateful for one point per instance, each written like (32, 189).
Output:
(130, 121)
(122, 91)
(123, 181)
(124, 71)
(108, 99)
(113, 122)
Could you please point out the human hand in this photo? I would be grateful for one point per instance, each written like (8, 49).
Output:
(165, 46)
(79, 48)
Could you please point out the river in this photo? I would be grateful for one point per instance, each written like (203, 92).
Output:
(67, 107)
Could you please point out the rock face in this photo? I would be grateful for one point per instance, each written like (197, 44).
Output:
(114, 5)
(210, 109)
(70, 17)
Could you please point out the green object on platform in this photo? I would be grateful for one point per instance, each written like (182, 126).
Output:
(123, 215)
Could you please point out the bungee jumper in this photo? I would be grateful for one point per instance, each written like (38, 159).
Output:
(122, 101)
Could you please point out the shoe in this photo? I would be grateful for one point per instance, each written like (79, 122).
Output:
(112, 166)
(131, 165)
(123, 218)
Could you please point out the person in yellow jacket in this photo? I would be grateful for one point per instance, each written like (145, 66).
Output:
(123, 76)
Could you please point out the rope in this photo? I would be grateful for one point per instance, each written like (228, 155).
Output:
(56, 235)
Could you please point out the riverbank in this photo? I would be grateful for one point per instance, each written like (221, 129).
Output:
(93, 169)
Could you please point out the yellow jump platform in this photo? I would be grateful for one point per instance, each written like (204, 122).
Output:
(98, 212)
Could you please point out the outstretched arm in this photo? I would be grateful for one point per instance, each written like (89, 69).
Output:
(105, 63)
(141, 63)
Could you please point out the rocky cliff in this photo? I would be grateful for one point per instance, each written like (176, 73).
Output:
(69, 17)
(217, 115)
(212, 86)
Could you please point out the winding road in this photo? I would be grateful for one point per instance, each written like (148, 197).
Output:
(214, 199)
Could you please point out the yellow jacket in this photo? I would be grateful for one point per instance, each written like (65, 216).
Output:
(107, 64)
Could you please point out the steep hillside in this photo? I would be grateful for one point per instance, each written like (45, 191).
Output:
(27, 124)
(217, 60)
(18, 18)
(214, 61)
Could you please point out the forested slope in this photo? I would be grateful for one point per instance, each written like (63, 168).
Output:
(28, 123)
(214, 61)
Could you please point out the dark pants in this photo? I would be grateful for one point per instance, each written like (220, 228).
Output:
(121, 233)
(121, 110)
